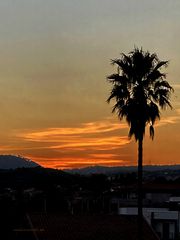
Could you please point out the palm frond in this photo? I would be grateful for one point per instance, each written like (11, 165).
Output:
(151, 132)
(160, 64)
(119, 92)
(155, 75)
(163, 84)
(139, 89)
(153, 112)
(124, 66)
(164, 102)
(117, 79)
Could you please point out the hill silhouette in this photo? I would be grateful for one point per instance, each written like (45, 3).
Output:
(13, 162)
(97, 169)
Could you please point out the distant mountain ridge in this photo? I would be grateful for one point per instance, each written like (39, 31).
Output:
(124, 169)
(13, 162)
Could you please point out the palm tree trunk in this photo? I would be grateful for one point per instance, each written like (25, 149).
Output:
(140, 194)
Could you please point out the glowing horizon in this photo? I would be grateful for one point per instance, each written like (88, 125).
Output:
(95, 143)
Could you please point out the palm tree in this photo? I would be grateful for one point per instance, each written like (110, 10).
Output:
(139, 89)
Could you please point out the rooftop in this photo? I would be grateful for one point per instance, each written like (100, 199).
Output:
(101, 227)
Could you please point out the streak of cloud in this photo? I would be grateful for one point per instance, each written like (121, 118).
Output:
(87, 128)
(169, 120)
(81, 144)
(96, 143)
(65, 163)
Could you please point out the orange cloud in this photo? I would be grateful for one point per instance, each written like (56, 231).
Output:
(103, 143)
(53, 134)
(76, 146)
(65, 163)
(89, 135)
(169, 120)
(104, 156)
(83, 143)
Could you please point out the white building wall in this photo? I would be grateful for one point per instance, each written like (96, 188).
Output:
(159, 213)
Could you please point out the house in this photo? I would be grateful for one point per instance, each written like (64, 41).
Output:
(166, 223)
(154, 195)
(159, 193)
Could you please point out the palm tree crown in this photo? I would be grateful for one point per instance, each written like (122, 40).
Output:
(139, 90)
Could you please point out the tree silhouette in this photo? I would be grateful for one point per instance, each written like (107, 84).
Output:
(139, 89)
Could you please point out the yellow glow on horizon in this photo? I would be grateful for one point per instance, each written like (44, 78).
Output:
(96, 143)
(65, 163)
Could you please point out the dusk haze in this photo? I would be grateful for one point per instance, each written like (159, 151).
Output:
(55, 59)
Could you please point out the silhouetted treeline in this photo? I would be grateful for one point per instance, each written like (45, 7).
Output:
(46, 178)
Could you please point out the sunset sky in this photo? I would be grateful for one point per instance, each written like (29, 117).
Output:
(54, 60)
